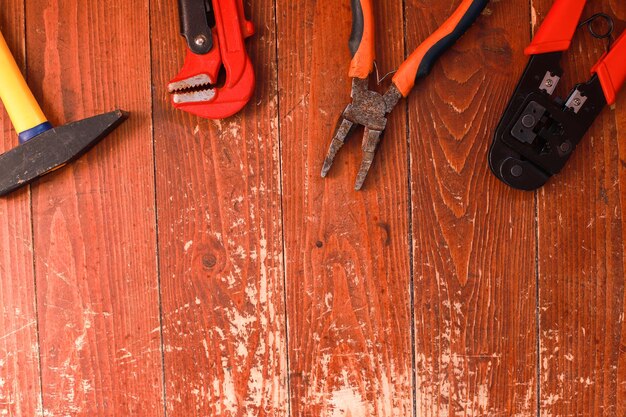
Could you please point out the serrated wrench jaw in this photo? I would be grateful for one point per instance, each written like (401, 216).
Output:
(196, 89)
(195, 81)
(220, 102)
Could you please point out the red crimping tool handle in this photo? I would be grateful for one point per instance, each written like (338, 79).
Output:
(611, 69)
(557, 30)
(556, 33)
(538, 131)
(200, 88)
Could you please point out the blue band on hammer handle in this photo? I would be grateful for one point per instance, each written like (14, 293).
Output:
(27, 135)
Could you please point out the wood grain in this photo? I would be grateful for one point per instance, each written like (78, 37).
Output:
(620, 141)
(581, 257)
(347, 252)
(20, 392)
(474, 239)
(437, 287)
(94, 221)
(220, 233)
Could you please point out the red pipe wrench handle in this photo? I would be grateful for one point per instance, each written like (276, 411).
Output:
(247, 28)
(232, 29)
(557, 30)
(611, 69)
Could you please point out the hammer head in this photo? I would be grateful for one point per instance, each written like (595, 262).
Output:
(53, 149)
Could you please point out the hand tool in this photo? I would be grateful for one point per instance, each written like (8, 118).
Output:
(538, 133)
(369, 108)
(42, 148)
(215, 31)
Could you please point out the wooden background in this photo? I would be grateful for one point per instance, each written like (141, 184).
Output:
(188, 267)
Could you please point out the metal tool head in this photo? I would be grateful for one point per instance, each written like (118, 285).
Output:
(539, 132)
(198, 90)
(216, 80)
(195, 83)
(368, 109)
(53, 149)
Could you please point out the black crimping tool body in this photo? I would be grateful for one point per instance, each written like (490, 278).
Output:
(538, 133)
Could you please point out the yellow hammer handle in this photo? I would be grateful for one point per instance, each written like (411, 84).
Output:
(18, 100)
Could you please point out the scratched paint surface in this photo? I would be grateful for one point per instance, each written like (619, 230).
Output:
(347, 259)
(582, 304)
(20, 393)
(221, 249)
(474, 276)
(188, 267)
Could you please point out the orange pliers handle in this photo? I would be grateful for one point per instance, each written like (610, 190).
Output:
(362, 39)
(362, 42)
(420, 62)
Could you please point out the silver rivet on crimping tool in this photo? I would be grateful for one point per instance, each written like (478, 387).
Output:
(576, 101)
(200, 40)
(516, 171)
(529, 121)
(549, 83)
(565, 147)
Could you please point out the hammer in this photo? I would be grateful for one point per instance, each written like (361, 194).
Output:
(42, 148)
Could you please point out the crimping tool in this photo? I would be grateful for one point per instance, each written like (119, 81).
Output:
(369, 108)
(217, 79)
(538, 133)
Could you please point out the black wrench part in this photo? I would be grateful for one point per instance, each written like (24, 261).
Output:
(195, 24)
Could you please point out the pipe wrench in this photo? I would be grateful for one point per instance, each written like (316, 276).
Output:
(217, 79)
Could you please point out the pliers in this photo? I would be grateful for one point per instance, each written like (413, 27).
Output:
(217, 79)
(369, 108)
(538, 132)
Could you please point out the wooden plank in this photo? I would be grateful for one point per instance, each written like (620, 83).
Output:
(620, 140)
(473, 237)
(94, 221)
(581, 258)
(221, 248)
(347, 252)
(20, 392)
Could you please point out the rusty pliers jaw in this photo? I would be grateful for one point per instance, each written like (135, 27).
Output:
(368, 109)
